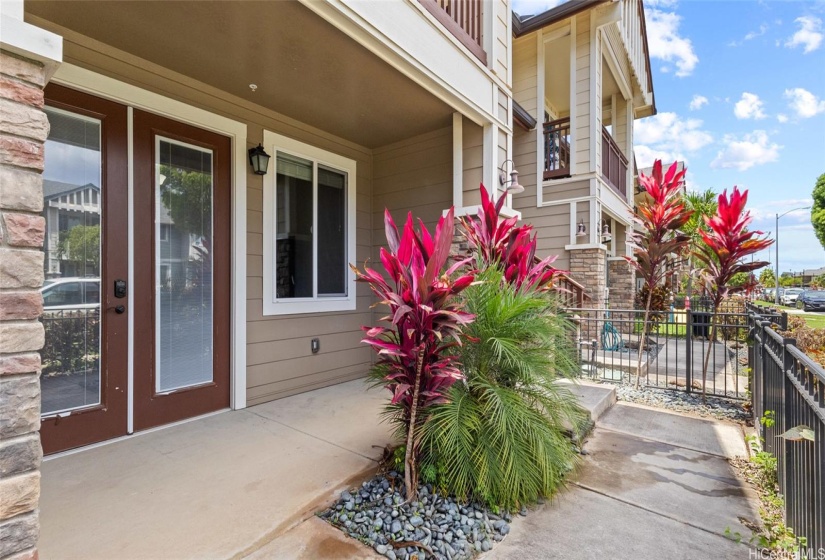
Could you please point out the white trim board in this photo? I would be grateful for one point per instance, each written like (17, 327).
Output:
(109, 88)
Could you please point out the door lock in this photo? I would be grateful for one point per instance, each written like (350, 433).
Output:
(120, 289)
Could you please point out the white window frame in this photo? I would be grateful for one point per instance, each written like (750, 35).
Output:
(275, 144)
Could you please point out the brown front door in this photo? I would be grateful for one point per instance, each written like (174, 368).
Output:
(180, 263)
(182, 270)
(85, 204)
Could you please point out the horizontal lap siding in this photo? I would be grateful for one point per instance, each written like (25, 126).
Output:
(582, 101)
(473, 161)
(416, 176)
(280, 362)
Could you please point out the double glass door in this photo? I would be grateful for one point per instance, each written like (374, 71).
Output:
(177, 310)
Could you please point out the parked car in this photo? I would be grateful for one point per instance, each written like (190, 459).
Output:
(71, 293)
(811, 300)
(790, 295)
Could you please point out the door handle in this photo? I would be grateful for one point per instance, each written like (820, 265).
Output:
(119, 309)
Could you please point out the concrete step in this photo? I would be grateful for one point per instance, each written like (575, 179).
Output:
(596, 398)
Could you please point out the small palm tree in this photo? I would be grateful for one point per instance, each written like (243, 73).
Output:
(502, 436)
(702, 204)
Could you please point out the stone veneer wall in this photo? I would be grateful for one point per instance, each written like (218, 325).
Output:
(23, 131)
(587, 267)
(622, 283)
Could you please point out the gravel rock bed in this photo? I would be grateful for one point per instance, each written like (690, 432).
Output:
(716, 407)
(432, 527)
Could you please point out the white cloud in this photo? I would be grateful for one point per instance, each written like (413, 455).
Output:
(781, 117)
(746, 152)
(750, 36)
(804, 103)
(808, 35)
(665, 43)
(697, 102)
(668, 137)
(533, 7)
(749, 107)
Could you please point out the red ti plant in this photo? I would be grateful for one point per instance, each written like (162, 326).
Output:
(722, 254)
(499, 241)
(657, 237)
(425, 318)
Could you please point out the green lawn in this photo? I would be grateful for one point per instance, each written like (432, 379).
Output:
(815, 321)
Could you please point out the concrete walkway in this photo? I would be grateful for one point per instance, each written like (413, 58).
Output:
(654, 485)
(246, 484)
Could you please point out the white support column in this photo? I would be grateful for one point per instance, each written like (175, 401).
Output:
(540, 118)
(573, 108)
(573, 222)
(595, 96)
(631, 186)
(458, 160)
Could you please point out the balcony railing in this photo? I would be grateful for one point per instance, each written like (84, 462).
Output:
(614, 164)
(463, 19)
(557, 149)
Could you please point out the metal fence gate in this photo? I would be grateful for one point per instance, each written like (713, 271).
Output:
(674, 352)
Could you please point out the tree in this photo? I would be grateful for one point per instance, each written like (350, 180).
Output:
(702, 204)
(81, 245)
(767, 278)
(818, 282)
(662, 214)
(415, 353)
(818, 209)
(187, 195)
(722, 255)
(739, 280)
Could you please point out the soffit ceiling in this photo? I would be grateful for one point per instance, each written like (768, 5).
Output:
(304, 67)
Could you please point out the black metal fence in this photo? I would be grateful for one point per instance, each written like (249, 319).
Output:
(673, 352)
(788, 383)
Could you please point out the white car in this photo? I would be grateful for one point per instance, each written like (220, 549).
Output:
(71, 293)
(790, 295)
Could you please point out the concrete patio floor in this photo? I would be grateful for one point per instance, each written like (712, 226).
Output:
(216, 487)
(246, 484)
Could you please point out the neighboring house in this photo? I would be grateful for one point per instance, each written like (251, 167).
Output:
(581, 76)
(67, 206)
(361, 106)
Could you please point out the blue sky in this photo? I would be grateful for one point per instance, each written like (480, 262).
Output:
(740, 93)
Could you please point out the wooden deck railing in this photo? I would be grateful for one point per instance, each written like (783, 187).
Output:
(571, 293)
(463, 18)
(557, 148)
(614, 164)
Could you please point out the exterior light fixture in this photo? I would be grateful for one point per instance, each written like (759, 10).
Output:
(512, 186)
(606, 234)
(581, 229)
(259, 160)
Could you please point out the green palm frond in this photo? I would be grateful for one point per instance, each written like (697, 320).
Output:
(501, 438)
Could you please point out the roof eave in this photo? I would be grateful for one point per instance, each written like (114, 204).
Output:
(551, 16)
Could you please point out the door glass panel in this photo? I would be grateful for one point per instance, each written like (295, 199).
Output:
(294, 214)
(72, 210)
(183, 265)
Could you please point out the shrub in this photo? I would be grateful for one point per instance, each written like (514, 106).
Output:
(414, 359)
(501, 437)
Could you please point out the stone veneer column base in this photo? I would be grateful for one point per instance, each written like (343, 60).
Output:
(23, 131)
(588, 268)
(622, 283)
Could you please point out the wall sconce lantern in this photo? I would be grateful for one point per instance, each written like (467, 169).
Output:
(581, 230)
(259, 160)
(512, 186)
(606, 234)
